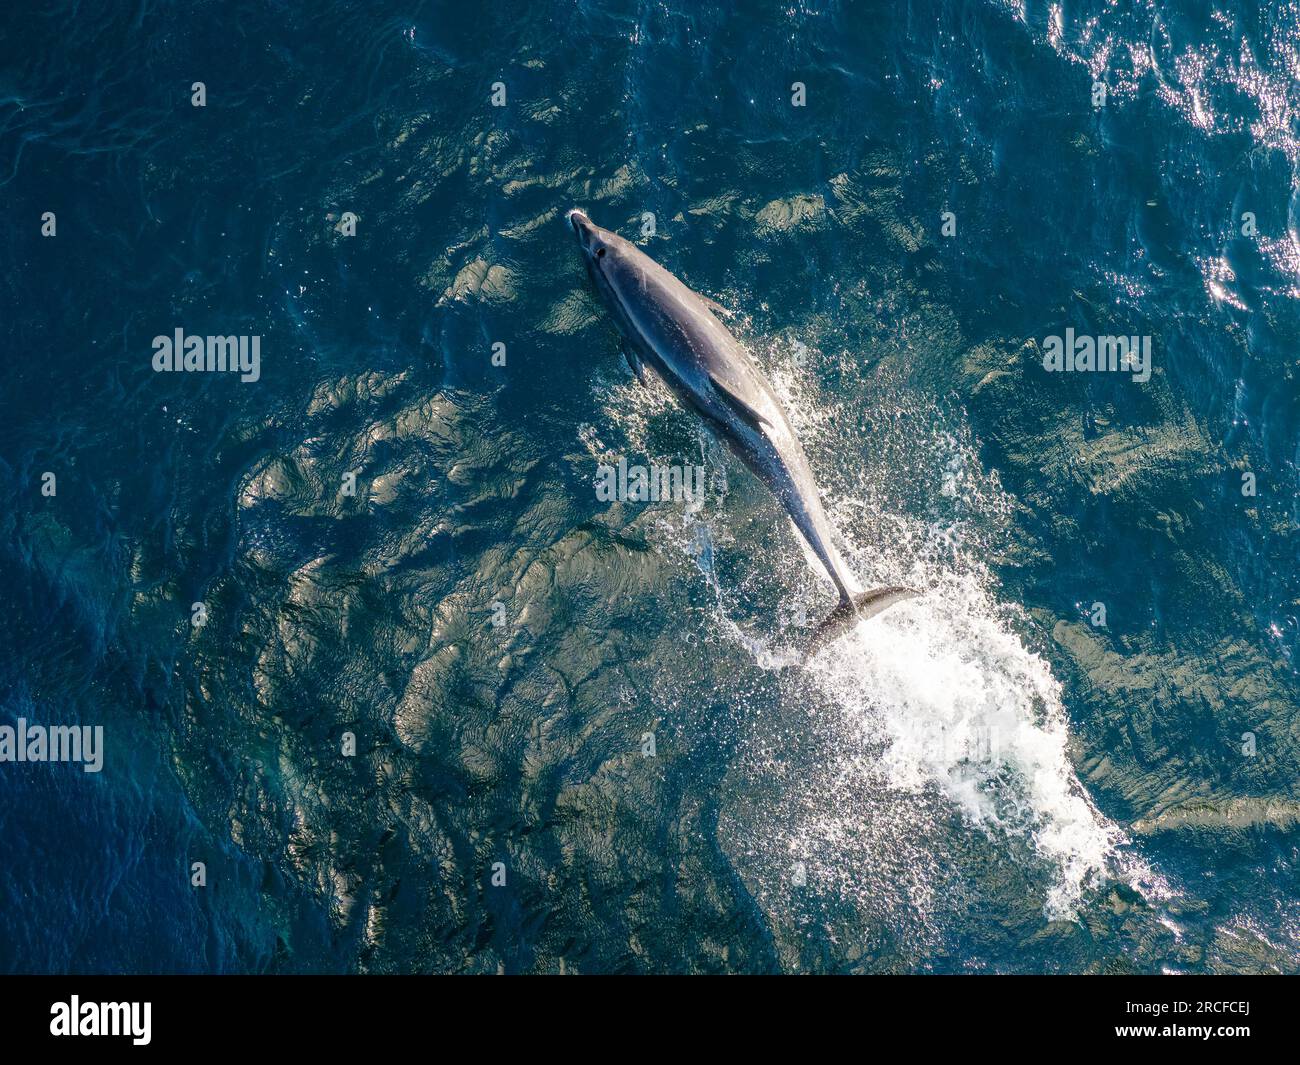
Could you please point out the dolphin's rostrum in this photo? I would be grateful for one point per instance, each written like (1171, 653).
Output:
(673, 330)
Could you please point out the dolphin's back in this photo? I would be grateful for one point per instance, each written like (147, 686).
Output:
(675, 327)
(697, 356)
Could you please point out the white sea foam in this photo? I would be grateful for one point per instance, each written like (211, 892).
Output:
(943, 685)
(959, 704)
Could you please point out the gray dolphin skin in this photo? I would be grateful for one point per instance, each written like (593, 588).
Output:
(674, 330)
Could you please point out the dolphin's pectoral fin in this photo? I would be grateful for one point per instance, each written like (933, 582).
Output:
(634, 361)
(754, 418)
(716, 307)
(850, 611)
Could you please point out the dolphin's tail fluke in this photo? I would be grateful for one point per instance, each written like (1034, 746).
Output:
(850, 611)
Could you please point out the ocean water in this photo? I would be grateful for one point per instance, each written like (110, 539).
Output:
(987, 778)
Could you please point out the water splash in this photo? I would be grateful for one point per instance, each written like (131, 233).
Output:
(942, 708)
(956, 703)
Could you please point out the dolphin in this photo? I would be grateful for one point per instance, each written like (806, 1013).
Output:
(676, 332)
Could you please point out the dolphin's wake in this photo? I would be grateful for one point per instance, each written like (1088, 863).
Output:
(941, 711)
(953, 701)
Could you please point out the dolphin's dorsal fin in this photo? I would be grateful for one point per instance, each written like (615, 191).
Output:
(634, 361)
(755, 418)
